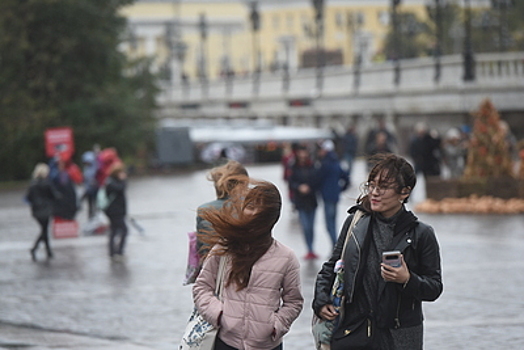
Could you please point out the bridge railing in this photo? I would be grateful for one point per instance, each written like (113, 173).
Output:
(416, 76)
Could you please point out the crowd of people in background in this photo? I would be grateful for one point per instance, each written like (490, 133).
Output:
(316, 174)
(434, 152)
(309, 177)
(53, 195)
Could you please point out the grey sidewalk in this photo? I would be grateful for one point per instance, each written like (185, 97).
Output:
(23, 337)
(80, 300)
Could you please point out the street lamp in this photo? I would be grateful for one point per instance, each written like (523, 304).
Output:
(203, 27)
(438, 37)
(255, 27)
(354, 23)
(396, 40)
(318, 6)
(469, 59)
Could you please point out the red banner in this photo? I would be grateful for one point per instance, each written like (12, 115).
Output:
(63, 228)
(59, 141)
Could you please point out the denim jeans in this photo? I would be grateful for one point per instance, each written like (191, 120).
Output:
(307, 221)
(330, 215)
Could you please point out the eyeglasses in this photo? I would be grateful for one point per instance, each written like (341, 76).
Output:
(369, 187)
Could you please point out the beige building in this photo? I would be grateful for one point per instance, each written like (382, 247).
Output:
(169, 31)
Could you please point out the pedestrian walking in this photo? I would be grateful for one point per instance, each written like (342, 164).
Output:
(333, 180)
(425, 150)
(40, 196)
(288, 160)
(371, 137)
(261, 294)
(454, 153)
(225, 178)
(116, 210)
(65, 175)
(303, 183)
(382, 307)
(90, 168)
(350, 147)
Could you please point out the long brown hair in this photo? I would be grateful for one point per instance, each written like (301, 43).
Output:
(390, 168)
(243, 236)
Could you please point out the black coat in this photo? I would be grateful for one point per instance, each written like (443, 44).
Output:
(398, 306)
(115, 190)
(41, 195)
(304, 175)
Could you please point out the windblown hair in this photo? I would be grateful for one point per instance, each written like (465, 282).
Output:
(390, 168)
(244, 236)
(224, 177)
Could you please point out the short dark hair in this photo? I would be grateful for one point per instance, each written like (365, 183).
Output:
(391, 168)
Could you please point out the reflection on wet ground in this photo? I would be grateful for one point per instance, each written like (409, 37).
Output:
(81, 291)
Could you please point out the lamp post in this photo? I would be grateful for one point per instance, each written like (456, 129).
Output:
(255, 27)
(469, 59)
(318, 6)
(438, 42)
(203, 27)
(396, 41)
(354, 23)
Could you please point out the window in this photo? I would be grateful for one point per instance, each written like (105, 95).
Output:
(383, 18)
(276, 22)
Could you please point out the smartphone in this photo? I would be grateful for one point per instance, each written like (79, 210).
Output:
(392, 258)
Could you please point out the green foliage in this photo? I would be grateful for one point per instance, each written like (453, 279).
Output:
(418, 37)
(61, 67)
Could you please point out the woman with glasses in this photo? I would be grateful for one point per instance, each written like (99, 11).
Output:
(382, 304)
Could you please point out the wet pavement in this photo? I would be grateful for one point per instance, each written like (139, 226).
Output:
(82, 300)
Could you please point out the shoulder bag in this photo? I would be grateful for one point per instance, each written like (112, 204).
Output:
(200, 334)
(323, 329)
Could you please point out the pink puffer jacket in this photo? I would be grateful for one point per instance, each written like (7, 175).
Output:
(271, 301)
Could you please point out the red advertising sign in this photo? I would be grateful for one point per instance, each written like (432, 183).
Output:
(63, 228)
(59, 140)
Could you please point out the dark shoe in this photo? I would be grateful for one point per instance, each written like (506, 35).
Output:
(33, 254)
(50, 254)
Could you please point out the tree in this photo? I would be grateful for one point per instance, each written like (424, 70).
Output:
(411, 41)
(488, 151)
(61, 67)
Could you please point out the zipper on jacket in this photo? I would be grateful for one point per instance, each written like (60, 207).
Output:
(356, 271)
(369, 328)
(397, 318)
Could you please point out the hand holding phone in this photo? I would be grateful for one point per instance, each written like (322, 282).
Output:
(392, 258)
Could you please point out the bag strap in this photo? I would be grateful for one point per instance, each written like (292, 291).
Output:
(219, 287)
(358, 214)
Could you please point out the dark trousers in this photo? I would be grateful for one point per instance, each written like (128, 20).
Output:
(220, 345)
(117, 236)
(44, 235)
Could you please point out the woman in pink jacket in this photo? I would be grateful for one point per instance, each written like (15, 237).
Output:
(261, 296)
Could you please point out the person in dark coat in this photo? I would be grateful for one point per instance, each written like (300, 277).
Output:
(350, 147)
(116, 211)
(41, 195)
(303, 183)
(65, 175)
(332, 181)
(425, 150)
(382, 302)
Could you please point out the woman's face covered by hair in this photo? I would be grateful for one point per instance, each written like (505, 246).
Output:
(244, 225)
